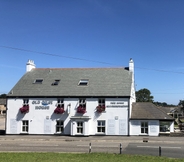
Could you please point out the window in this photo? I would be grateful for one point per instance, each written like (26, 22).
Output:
(25, 126)
(56, 82)
(25, 101)
(82, 103)
(83, 82)
(101, 102)
(144, 127)
(165, 126)
(101, 126)
(59, 126)
(60, 103)
(80, 127)
(38, 81)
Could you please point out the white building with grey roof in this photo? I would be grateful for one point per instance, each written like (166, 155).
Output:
(75, 101)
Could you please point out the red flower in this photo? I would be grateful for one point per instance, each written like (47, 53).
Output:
(24, 109)
(100, 108)
(59, 110)
(81, 110)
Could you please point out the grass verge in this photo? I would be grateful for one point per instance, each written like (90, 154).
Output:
(71, 157)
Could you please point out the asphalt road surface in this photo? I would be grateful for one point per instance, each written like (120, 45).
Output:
(168, 150)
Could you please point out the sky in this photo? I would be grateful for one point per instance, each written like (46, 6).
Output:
(96, 33)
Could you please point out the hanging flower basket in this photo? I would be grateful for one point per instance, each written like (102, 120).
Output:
(81, 110)
(59, 110)
(24, 109)
(100, 108)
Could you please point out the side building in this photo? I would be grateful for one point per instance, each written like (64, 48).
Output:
(71, 101)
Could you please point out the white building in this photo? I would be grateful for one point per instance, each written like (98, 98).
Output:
(75, 101)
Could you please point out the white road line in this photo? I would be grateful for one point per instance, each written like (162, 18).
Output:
(96, 146)
(37, 145)
(161, 147)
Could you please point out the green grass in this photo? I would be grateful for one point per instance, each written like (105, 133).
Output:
(71, 157)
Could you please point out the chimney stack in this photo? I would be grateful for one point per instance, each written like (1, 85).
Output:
(30, 65)
(131, 65)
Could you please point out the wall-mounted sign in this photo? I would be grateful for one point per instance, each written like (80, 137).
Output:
(43, 104)
(117, 104)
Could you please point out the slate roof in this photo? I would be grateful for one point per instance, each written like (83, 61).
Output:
(147, 110)
(2, 101)
(102, 82)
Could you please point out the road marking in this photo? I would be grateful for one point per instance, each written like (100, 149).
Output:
(37, 145)
(161, 147)
(96, 146)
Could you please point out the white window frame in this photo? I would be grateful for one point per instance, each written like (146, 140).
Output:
(60, 126)
(80, 128)
(25, 126)
(83, 82)
(101, 101)
(101, 125)
(82, 102)
(144, 127)
(60, 102)
(164, 125)
(38, 81)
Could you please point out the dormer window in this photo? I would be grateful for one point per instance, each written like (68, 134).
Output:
(83, 82)
(56, 82)
(38, 81)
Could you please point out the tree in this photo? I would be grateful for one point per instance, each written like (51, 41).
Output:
(3, 96)
(144, 95)
(181, 104)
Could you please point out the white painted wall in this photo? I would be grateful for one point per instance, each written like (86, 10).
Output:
(43, 121)
(154, 127)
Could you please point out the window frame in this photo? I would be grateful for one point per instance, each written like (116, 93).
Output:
(60, 102)
(25, 126)
(101, 125)
(165, 125)
(144, 127)
(56, 82)
(83, 82)
(38, 81)
(80, 128)
(60, 126)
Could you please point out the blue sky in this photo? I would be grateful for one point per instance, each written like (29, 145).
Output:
(112, 32)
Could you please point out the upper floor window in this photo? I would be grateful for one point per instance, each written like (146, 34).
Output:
(56, 82)
(25, 101)
(38, 81)
(60, 103)
(83, 82)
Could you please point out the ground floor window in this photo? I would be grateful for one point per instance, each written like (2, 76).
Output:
(25, 126)
(165, 126)
(101, 126)
(59, 126)
(80, 127)
(144, 127)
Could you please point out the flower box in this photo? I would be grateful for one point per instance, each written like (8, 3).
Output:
(24, 109)
(59, 110)
(81, 110)
(100, 108)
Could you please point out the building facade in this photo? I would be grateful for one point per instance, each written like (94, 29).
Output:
(81, 102)
(71, 101)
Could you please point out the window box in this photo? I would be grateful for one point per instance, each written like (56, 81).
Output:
(100, 108)
(81, 109)
(59, 110)
(24, 109)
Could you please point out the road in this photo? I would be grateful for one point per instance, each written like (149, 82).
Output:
(167, 149)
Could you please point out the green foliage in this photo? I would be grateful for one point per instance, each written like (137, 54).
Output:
(82, 157)
(3, 96)
(163, 104)
(144, 95)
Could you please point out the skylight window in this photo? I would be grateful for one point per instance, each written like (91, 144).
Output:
(38, 81)
(56, 82)
(83, 82)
